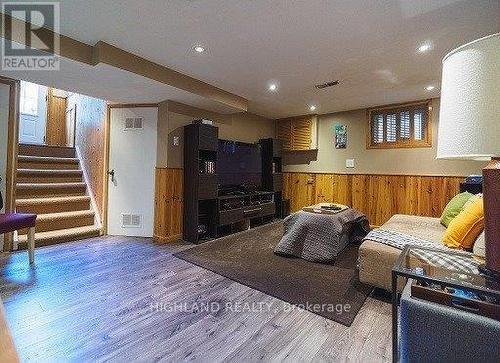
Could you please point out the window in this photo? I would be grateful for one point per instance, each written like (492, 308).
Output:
(29, 98)
(402, 126)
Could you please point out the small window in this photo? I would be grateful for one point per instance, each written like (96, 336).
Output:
(29, 98)
(402, 126)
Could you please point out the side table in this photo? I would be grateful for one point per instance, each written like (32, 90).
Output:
(433, 266)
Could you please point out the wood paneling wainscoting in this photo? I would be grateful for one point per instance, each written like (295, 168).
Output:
(90, 142)
(378, 196)
(168, 204)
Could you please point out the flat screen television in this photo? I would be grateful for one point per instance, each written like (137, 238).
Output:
(239, 164)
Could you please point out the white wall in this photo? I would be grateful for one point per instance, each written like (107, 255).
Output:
(411, 161)
(244, 127)
(4, 118)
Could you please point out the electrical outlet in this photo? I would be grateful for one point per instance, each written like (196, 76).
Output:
(176, 140)
(349, 163)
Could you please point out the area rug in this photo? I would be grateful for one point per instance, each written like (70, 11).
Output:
(332, 291)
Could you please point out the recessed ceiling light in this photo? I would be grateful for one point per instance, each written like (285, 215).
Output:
(312, 108)
(424, 47)
(429, 88)
(273, 87)
(199, 48)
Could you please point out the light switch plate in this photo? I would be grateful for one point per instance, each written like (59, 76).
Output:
(349, 163)
(176, 140)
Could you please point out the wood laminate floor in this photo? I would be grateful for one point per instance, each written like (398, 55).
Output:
(123, 299)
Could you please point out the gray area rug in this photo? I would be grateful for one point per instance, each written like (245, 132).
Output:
(332, 291)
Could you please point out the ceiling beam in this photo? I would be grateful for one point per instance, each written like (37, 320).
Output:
(119, 58)
(195, 112)
(105, 53)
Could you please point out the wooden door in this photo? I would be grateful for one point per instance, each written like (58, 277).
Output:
(55, 134)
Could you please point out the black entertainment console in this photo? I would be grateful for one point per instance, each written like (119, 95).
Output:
(211, 209)
(238, 208)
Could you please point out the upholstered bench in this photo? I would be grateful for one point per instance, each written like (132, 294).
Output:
(11, 222)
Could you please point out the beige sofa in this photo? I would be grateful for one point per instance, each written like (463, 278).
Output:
(376, 259)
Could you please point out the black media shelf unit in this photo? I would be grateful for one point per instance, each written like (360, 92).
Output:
(208, 215)
(200, 182)
(272, 171)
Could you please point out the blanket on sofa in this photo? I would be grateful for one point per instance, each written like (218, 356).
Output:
(321, 237)
(435, 257)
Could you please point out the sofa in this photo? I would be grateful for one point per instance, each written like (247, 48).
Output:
(376, 259)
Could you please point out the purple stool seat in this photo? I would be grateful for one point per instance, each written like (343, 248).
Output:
(11, 222)
(14, 221)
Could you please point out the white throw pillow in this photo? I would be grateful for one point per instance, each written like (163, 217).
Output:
(478, 248)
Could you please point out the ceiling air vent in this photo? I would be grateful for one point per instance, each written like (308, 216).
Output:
(131, 220)
(327, 84)
(133, 123)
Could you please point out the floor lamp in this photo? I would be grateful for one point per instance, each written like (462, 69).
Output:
(469, 126)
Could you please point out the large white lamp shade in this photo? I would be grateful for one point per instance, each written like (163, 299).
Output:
(469, 117)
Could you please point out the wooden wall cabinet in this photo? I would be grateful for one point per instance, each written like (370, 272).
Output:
(297, 133)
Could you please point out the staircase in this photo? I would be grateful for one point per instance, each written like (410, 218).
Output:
(50, 183)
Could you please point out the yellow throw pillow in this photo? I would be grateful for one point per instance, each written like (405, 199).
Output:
(464, 229)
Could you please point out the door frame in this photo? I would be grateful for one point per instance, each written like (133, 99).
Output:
(12, 151)
(107, 129)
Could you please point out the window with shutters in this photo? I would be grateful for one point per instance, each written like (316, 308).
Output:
(402, 126)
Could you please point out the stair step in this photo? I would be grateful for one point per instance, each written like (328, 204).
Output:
(47, 150)
(45, 162)
(48, 175)
(24, 190)
(62, 220)
(53, 205)
(62, 235)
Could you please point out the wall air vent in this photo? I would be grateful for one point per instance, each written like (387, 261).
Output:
(133, 123)
(131, 220)
(327, 84)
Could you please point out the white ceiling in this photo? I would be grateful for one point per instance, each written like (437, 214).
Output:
(114, 85)
(370, 46)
